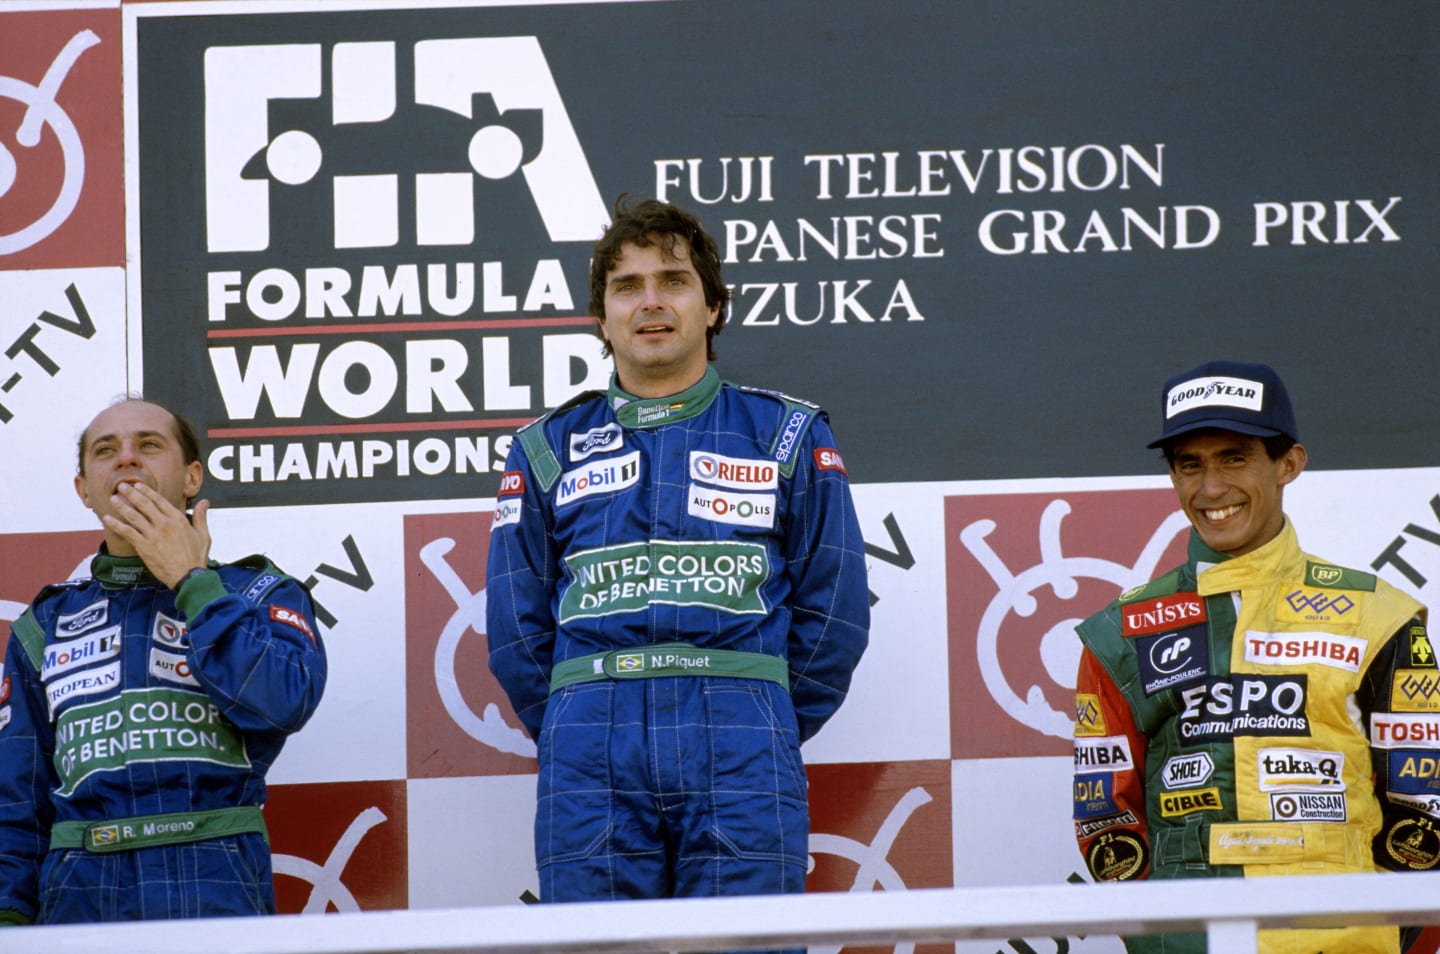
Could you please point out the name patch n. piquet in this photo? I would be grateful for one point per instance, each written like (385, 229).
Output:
(725, 575)
(1159, 615)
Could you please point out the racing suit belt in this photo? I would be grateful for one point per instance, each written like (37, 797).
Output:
(669, 659)
(147, 831)
(1266, 843)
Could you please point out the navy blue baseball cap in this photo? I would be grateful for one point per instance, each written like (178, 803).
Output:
(1228, 395)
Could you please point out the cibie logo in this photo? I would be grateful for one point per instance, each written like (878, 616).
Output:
(490, 101)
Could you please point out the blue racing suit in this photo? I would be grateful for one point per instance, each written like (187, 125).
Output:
(676, 598)
(136, 728)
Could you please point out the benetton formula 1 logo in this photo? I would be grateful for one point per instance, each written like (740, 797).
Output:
(489, 105)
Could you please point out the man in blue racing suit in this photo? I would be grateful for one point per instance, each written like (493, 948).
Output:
(141, 707)
(676, 595)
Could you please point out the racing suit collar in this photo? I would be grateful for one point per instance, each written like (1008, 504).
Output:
(1280, 555)
(115, 572)
(634, 411)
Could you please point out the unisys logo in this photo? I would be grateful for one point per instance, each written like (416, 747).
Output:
(1158, 615)
(1022, 570)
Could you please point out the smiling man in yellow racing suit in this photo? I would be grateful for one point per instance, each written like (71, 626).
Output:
(1257, 710)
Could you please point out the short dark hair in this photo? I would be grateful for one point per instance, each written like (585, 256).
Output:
(650, 221)
(1276, 445)
(185, 434)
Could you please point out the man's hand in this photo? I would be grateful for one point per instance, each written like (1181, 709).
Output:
(169, 543)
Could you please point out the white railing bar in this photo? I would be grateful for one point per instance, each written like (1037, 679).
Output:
(1231, 908)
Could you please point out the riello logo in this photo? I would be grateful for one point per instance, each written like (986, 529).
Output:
(483, 108)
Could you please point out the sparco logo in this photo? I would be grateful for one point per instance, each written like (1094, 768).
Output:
(786, 446)
(492, 100)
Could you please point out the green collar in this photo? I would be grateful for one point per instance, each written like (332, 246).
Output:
(1200, 552)
(634, 411)
(115, 572)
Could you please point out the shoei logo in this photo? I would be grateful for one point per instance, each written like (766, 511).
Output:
(483, 108)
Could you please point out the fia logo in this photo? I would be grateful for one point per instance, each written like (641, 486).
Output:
(483, 106)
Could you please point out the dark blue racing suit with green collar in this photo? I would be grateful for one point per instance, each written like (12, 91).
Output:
(676, 599)
(136, 728)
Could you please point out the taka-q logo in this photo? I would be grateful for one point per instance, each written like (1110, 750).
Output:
(309, 133)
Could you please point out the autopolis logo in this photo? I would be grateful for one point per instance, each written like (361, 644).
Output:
(345, 119)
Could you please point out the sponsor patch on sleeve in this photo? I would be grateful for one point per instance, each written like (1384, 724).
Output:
(1116, 856)
(1089, 719)
(4, 690)
(511, 482)
(1093, 796)
(828, 458)
(1413, 843)
(1422, 653)
(507, 513)
(1108, 754)
(1415, 690)
(290, 618)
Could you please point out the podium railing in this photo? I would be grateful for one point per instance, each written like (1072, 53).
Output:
(1229, 910)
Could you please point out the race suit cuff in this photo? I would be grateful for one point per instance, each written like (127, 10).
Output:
(197, 591)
